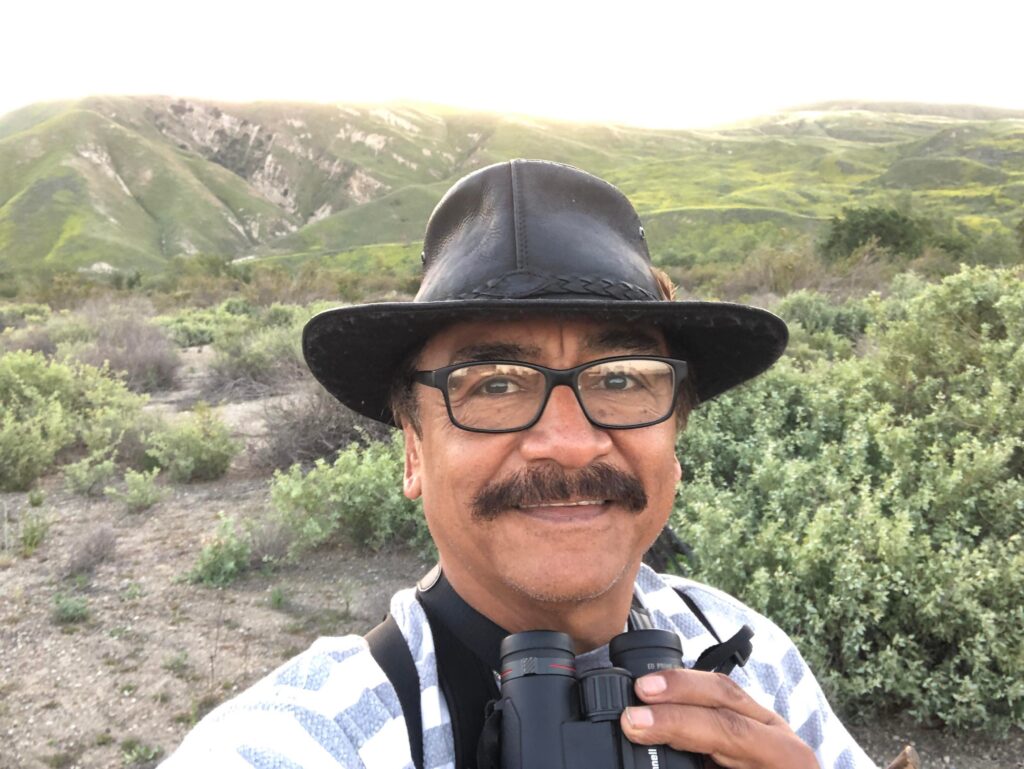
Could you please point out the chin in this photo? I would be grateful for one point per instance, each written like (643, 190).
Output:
(574, 586)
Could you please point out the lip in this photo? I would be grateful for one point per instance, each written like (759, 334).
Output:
(566, 512)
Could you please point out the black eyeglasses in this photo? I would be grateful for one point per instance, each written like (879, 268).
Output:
(500, 396)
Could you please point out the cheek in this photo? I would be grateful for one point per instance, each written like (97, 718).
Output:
(458, 464)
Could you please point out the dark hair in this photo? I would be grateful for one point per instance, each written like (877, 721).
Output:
(402, 399)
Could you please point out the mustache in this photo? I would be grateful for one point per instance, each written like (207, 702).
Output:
(548, 483)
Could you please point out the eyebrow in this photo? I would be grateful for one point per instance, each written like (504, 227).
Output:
(494, 351)
(625, 339)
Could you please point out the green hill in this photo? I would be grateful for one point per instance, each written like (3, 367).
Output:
(134, 182)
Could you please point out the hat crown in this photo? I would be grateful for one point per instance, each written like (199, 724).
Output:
(535, 229)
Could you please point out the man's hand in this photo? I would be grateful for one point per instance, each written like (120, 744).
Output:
(709, 713)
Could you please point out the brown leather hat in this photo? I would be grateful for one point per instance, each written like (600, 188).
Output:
(527, 238)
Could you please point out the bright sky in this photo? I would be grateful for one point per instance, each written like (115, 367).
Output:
(687, 63)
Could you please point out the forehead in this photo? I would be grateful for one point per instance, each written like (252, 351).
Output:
(537, 339)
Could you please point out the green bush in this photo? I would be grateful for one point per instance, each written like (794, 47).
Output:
(266, 356)
(193, 326)
(136, 753)
(357, 498)
(892, 230)
(818, 313)
(187, 331)
(29, 442)
(18, 315)
(874, 506)
(140, 490)
(224, 557)
(48, 407)
(89, 475)
(69, 609)
(198, 449)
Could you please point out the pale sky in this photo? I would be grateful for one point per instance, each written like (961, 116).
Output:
(640, 62)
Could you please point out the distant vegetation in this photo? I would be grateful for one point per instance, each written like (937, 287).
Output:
(315, 201)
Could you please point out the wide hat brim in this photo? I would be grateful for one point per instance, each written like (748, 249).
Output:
(355, 352)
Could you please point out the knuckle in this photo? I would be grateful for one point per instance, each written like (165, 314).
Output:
(731, 723)
(729, 690)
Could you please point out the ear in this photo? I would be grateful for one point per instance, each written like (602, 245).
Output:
(412, 483)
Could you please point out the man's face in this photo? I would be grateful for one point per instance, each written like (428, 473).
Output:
(555, 550)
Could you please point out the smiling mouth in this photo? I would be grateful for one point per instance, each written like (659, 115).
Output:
(581, 503)
(563, 513)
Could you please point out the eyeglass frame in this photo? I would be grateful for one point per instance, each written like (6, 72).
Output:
(553, 377)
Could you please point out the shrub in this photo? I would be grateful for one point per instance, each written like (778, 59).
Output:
(19, 315)
(124, 339)
(237, 306)
(138, 755)
(69, 609)
(258, 360)
(192, 327)
(890, 229)
(29, 442)
(32, 530)
(63, 328)
(189, 332)
(198, 449)
(48, 406)
(311, 424)
(140, 490)
(818, 313)
(88, 476)
(270, 541)
(90, 551)
(873, 507)
(224, 557)
(139, 352)
(357, 498)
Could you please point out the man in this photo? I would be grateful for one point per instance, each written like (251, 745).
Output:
(539, 378)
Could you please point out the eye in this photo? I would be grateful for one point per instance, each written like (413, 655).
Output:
(616, 381)
(613, 381)
(498, 386)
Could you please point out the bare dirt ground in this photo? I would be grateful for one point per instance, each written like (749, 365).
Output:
(123, 687)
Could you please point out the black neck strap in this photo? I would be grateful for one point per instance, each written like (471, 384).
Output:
(443, 606)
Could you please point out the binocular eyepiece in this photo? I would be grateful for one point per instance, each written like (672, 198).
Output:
(553, 718)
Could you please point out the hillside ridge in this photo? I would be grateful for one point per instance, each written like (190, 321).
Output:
(136, 182)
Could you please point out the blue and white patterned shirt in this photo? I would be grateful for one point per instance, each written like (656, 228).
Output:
(332, 706)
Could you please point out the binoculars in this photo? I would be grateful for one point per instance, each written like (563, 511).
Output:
(552, 718)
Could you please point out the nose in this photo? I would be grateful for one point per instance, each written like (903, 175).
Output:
(564, 434)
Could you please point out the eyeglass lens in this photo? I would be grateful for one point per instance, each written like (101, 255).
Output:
(506, 396)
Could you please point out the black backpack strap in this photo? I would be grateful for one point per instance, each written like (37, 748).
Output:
(388, 647)
(725, 655)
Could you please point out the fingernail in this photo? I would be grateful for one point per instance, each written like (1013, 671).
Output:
(640, 718)
(652, 684)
